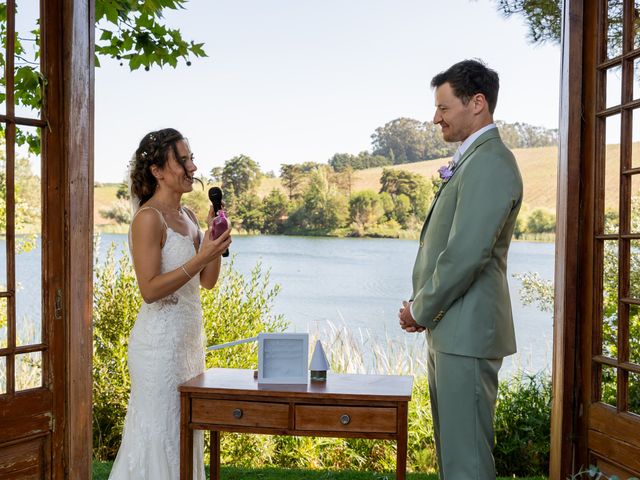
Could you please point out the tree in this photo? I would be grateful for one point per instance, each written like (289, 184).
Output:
(132, 32)
(405, 137)
(250, 212)
(323, 208)
(414, 186)
(541, 221)
(275, 209)
(544, 17)
(240, 174)
(291, 176)
(26, 194)
(341, 161)
(523, 135)
(365, 208)
(343, 180)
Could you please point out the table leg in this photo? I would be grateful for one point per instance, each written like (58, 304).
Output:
(214, 463)
(401, 459)
(186, 439)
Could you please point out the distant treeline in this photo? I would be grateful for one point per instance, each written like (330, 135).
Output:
(405, 140)
(318, 198)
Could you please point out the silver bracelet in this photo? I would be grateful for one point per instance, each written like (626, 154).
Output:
(185, 272)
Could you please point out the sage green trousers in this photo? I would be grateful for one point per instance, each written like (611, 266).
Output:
(463, 392)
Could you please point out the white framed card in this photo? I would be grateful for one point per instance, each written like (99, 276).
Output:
(283, 358)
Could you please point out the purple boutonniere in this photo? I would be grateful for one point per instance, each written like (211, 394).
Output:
(446, 172)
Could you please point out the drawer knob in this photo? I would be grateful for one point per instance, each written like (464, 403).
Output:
(345, 419)
(237, 413)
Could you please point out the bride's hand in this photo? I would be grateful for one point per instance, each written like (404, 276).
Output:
(212, 249)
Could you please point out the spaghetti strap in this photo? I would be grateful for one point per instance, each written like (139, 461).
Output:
(154, 209)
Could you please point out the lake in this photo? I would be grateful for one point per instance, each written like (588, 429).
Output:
(355, 282)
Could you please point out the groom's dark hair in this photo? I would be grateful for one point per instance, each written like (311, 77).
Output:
(468, 78)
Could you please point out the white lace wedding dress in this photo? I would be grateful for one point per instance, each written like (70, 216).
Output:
(166, 348)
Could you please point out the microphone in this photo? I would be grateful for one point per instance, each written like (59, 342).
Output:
(215, 195)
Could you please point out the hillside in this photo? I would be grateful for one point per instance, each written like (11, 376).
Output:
(537, 165)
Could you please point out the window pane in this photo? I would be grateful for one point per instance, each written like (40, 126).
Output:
(636, 24)
(3, 322)
(635, 147)
(635, 203)
(636, 78)
(28, 251)
(614, 86)
(634, 273)
(28, 371)
(3, 214)
(634, 393)
(3, 375)
(634, 334)
(614, 28)
(28, 83)
(610, 300)
(612, 174)
(609, 384)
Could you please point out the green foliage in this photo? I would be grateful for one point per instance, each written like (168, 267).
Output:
(129, 31)
(405, 137)
(523, 425)
(291, 176)
(323, 208)
(405, 140)
(101, 472)
(523, 135)
(240, 174)
(412, 185)
(198, 202)
(536, 290)
(135, 32)
(249, 212)
(365, 209)
(120, 211)
(123, 192)
(275, 208)
(544, 18)
(26, 199)
(541, 221)
(236, 308)
(363, 160)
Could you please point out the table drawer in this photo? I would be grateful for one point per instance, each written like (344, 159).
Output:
(230, 412)
(329, 418)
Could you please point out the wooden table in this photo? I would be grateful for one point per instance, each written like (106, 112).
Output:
(230, 400)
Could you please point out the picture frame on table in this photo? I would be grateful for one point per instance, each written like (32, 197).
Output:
(283, 358)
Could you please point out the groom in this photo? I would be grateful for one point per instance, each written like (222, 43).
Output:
(460, 291)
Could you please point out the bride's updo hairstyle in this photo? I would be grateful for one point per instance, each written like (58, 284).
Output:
(153, 150)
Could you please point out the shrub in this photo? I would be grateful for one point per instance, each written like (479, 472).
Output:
(236, 308)
(523, 425)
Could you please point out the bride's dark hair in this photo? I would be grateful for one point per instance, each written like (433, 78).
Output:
(153, 150)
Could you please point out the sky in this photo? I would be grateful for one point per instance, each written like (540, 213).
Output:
(289, 81)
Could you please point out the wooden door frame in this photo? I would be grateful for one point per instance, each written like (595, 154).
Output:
(71, 83)
(574, 177)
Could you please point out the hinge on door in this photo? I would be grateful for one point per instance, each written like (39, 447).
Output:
(58, 309)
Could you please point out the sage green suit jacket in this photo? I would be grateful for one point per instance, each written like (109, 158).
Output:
(460, 290)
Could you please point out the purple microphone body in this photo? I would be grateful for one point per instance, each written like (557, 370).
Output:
(220, 222)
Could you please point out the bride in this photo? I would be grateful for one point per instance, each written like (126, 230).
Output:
(171, 258)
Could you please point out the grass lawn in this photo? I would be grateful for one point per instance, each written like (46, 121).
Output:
(101, 472)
